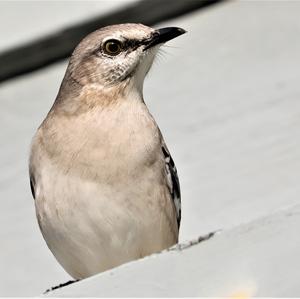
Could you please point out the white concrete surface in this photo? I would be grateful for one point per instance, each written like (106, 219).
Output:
(226, 96)
(229, 107)
(248, 261)
(22, 21)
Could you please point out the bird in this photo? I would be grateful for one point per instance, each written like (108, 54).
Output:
(105, 187)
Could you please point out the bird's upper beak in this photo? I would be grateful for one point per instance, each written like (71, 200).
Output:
(163, 35)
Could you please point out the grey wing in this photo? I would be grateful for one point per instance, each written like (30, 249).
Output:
(173, 182)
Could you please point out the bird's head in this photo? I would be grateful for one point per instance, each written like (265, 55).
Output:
(118, 53)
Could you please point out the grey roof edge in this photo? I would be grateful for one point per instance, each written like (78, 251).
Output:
(59, 45)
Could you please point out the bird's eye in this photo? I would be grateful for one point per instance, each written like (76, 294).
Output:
(112, 47)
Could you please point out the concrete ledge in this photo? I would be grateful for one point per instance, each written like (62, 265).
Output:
(248, 260)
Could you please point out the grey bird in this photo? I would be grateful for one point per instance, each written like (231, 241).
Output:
(105, 186)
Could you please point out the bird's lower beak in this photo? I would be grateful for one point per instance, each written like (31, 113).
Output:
(163, 35)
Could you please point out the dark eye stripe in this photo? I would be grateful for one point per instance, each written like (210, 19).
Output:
(132, 43)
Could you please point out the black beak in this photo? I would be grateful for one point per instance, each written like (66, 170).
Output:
(163, 35)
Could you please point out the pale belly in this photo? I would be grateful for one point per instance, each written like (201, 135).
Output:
(90, 226)
(101, 192)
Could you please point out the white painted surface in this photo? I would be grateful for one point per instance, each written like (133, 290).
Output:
(229, 107)
(27, 266)
(227, 101)
(22, 21)
(251, 260)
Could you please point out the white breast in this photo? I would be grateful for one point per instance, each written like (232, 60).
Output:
(101, 192)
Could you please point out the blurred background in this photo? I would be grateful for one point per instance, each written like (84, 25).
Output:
(225, 95)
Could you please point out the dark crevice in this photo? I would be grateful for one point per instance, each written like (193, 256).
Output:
(182, 246)
(60, 286)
